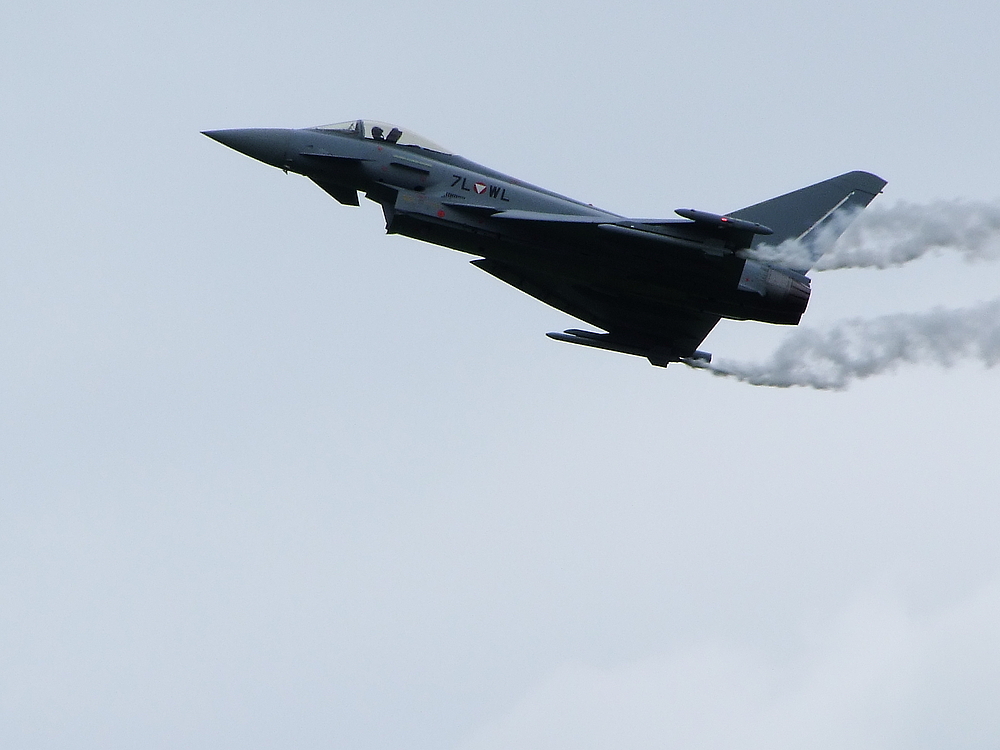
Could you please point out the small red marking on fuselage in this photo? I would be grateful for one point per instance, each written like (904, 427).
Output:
(441, 213)
(480, 188)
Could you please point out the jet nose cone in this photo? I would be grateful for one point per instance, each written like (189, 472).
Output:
(269, 145)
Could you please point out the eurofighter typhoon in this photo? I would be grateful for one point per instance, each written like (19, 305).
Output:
(653, 287)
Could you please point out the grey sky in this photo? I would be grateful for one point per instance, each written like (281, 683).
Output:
(273, 479)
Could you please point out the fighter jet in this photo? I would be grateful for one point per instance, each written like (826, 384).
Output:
(653, 287)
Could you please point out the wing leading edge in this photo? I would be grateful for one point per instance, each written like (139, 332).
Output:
(660, 332)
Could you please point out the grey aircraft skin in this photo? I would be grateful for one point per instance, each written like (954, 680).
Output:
(655, 287)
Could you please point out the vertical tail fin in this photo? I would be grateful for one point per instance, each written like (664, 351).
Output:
(815, 216)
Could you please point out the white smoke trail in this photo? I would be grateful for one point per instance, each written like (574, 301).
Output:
(886, 237)
(859, 348)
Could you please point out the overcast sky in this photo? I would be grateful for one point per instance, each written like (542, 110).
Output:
(271, 478)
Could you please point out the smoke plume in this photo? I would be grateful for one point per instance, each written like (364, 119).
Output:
(860, 348)
(886, 237)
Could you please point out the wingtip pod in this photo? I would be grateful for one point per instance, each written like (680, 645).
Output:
(661, 357)
(699, 358)
(723, 222)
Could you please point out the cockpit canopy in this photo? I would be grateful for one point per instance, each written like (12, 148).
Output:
(375, 130)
